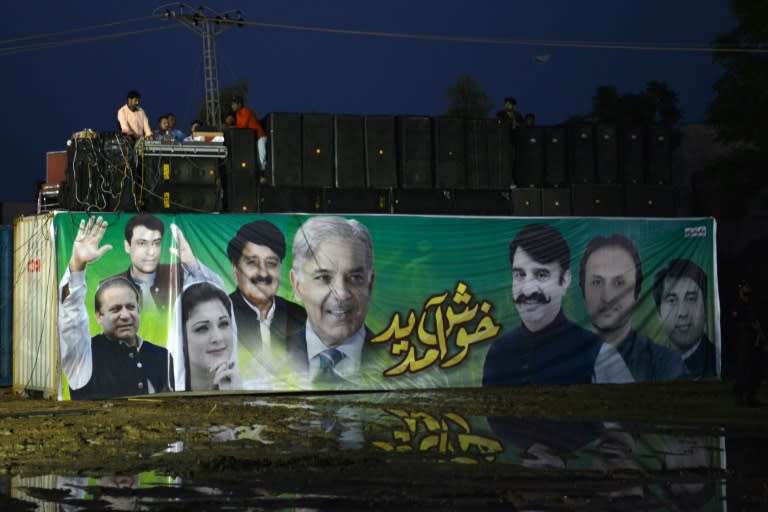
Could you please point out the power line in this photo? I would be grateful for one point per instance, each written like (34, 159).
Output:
(614, 45)
(670, 47)
(14, 50)
(82, 29)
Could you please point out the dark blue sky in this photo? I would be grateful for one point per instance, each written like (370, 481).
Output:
(47, 94)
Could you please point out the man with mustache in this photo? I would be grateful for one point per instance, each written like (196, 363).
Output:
(333, 276)
(611, 278)
(264, 320)
(680, 292)
(116, 362)
(547, 348)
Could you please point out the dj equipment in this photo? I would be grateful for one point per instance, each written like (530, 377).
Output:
(191, 149)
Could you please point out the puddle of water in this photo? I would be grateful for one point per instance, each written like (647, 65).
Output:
(536, 463)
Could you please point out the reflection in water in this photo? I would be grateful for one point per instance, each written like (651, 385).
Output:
(683, 453)
(667, 469)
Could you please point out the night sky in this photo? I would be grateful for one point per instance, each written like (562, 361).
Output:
(77, 76)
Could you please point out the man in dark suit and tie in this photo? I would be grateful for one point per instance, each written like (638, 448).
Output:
(680, 293)
(333, 276)
(264, 320)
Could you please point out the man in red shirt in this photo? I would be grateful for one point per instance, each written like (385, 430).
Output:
(246, 118)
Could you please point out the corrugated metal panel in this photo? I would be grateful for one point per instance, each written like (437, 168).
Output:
(6, 304)
(35, 336)
(19, 486)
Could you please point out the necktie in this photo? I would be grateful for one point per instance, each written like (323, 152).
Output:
(326, 377)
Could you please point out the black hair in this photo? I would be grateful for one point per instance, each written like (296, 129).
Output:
(147, 220)
(259, 232)
(677, 269)
(544, 244)
(134, 94)
(615, 240)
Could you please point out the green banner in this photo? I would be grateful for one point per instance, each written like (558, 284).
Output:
(296, 302)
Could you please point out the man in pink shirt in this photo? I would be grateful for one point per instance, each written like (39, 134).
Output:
(132, 118)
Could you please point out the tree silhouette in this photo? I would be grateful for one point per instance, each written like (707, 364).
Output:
(657, 104)
(738, 111)
(467, 100)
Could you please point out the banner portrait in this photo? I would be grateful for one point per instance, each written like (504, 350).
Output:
(153, 303)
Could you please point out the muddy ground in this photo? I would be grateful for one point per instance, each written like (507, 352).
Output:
(272, 451)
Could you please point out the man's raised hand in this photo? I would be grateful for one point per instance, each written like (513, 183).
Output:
(86, 248)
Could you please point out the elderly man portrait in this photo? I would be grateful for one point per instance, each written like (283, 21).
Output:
(333, 276)
(117, 361)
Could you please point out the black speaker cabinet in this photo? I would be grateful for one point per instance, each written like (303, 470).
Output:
(476, 146)
(284, 132)
(317, 150)
(658, 171)
(422, 201)
(555, 169)
(169, 184)
(241, 148)
(501, 153)
(414, 139)
(450, 153)
(380, 152)
(581, 153)
(632, 155)
(529, 157)
(556, 202)
(290, 199)
(651, 201)
(482, 202)
(349, 143)
(597, 200)
(607, 163)
(241, 173)
(358, 200)
(181, 170)
(526, 202)
(167, 197)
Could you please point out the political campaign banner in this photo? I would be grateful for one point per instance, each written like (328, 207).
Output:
(152, 303)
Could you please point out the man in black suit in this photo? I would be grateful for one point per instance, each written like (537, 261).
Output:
(680, 293)
(333, 276)
(116, 361)
(264, 320)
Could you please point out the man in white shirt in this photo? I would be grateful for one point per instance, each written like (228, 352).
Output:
(132, 118)
(264, 320)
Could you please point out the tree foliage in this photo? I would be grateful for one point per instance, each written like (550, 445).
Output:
(655, 105)
(738, 111)
(467, 100)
